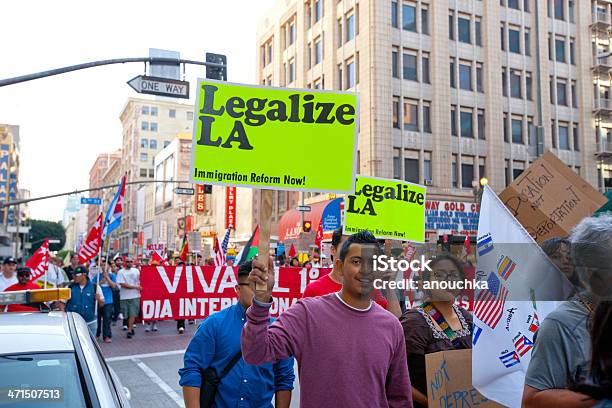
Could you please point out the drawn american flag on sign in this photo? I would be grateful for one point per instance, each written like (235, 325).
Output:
(489, 303)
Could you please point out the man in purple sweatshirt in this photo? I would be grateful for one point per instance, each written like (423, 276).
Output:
(351, 352)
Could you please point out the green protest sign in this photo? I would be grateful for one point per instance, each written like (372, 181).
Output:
(389, 209)
(275, 138)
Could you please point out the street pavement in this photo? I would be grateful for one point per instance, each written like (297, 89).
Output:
(148, 364)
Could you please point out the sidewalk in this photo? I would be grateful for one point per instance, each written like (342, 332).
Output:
(166, 339)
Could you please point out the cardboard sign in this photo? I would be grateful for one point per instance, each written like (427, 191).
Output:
(196, 292)
(389, 209)
(549, 199)
(449, 381)
(241, 134)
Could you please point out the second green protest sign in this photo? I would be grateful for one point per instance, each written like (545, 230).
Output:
(390, 209)
(276, 138)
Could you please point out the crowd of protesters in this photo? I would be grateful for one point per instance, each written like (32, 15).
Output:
(347, 337)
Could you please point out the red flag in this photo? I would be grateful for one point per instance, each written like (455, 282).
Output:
(292, 251)
(91, 246)
(319, 236)
(466, 244)
(219, 255)
(39, 262)
(158, 259)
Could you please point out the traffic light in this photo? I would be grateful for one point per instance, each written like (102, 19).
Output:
(218, 73)
(306, 226)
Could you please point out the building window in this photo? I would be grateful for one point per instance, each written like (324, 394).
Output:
(318, 9)
(318, 51)
(144, 126)
(394, 19)
(561, 93)
(144, 143)
(517, 131)
(454, 171)
(451, 26)
(559, 9)
(292, 33)
(452, 72)
(563, 136)
(350, 27)
(467, 129)
(424, 20)
(504, 81)
(574, 95)
(340, 83)
(513, 4)
(528, 86)
(144, 157)
(503, 38)
(560, 50)
(153, 127)
(409, 17)
(143, 172)
(427, 172)
(394, 63)
(454, 120)
(481, 125)
(425, 68)
(411, 170)
(515, 84)
(189, 115)
(350, 74)
(527, 43)
(465, 77)
(464, 30)
(172, 113)
(426, 118)
(144, 110)
(291, 71)
(396, 112)
(154, 110)
(467, 175)
(572, 52)
(514, 41)
(411, 116)
(397, 164)
(576, 137)
(571, 9)
(151, 173)
(410, 67)
(166, 143)
(478, 33)
(526, 6)
(153, 144)
(553, 132)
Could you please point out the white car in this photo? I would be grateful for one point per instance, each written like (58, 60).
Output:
(51, 360)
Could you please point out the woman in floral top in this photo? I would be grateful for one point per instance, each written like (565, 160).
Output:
(438, 324)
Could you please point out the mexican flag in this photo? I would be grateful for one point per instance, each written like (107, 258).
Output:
(250, 250)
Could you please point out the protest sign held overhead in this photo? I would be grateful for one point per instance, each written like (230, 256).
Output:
(241, 135)
(549, 199)
(390, 209)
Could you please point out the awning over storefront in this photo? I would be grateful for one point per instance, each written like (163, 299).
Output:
(290, 224)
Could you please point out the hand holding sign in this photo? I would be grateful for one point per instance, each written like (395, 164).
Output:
(262, 279)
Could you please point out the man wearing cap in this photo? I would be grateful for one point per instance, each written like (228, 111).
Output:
(83, 296)
(128, 279)
(7, 277)
(74, 262)
(23, 283)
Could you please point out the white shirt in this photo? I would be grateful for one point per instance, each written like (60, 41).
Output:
(5, 283)
(131, 277)
(54, 277)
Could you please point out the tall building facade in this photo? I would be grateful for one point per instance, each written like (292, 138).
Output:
(9, 170)
(96, 173)
(148, 127)
(452, 91)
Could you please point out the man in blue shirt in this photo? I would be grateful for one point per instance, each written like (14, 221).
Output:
(108, 281)
(216, 341)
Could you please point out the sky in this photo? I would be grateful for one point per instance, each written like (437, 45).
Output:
(67, 120)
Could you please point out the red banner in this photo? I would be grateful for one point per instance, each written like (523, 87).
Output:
(230, 207)
(200, 198)
(195, 292)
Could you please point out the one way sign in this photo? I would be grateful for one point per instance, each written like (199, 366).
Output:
(160, 86)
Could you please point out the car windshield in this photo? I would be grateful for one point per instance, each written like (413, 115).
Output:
(31, 379)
